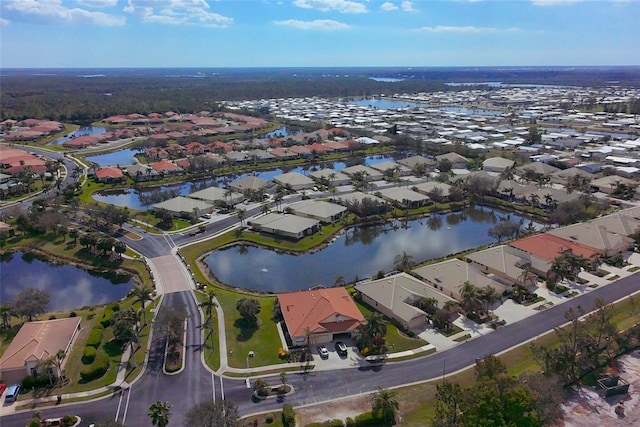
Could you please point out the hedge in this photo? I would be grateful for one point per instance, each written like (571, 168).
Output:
(98, 368)
(106, 317)
(88, 355)
(95, 336)
(368, 419)
(288, 415)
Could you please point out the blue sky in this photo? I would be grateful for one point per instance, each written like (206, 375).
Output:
(268, 33)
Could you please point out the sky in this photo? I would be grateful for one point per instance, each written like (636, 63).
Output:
(317, 33)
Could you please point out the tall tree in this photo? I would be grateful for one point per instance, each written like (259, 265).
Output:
(142, 294)
(31, 302)
(403, 261)
(221, 413)
(384, 401)
(160, 413)
(249, 309)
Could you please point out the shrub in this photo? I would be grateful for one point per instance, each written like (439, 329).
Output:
(106, 317)
(52, 317)
(73, 314)
(349, 422)
(88, 355)
(115, 307)
(95, 336)
(68, 420)
(28, 382)
(288, 415)
(269, 419)
(368, 419)
(97, 369)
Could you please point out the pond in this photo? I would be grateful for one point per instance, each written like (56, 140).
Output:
(69, 287)
(359, 253)
(131, 196)
(385, 104)
(283, 132)
(116, 158)
(82, 131)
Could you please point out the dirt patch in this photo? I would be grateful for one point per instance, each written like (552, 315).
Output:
(588, 408)
(339, 409)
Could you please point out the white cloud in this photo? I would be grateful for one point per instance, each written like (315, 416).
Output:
(407, 6)
(318, 24)
(554, 2)
(53, 11)
(3, 22)
(388, 6)
(342, 6)
(464, 30)
(177, 12)
(97, 3)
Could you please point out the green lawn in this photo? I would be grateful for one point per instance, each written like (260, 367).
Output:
(263, 340)
(396, 340)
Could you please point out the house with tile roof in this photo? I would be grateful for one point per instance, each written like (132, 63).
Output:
(394, 296)
(35, 342)
(448, 276)
(109, 174)
(542, 249)
(595, 236)
(326, 314)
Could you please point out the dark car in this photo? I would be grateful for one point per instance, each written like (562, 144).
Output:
(341, 348)
(323, 352)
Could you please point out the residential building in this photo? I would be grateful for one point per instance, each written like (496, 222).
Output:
(319, 316)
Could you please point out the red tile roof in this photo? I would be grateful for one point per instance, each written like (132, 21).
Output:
(108, 172)
(321, 310)
(549, 247)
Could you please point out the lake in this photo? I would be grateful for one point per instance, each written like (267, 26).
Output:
(131, 196)
(116, 158)
(359, 253)
(82, 131)
(70, 287)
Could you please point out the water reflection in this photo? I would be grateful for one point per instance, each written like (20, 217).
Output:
(360, 252)
(69, 287)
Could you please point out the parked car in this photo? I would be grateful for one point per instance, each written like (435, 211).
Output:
(341, 348)
(3, 387)
(12, 393)
(323, 352)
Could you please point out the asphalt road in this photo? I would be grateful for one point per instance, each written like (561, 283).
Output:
(196, 383)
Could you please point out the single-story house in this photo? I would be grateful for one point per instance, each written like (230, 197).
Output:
(427, 187)
(397, 168)
(211, 194)
(457, 161)
(180, 206)
(369, 174)
(395, 296)
(358, 196)
(322, 211)
(286, 225)
(596, 237)
(404, 197)
(140, 172)
(448, 276)
(325, 314)
(608, 184)
(411, 162)
(35, 342)
(502, 261)
(109, 174)
(251, 183)
(166, 167)
(330, 177)
(562, 176)
(497, 164)
(537, 167)
(294, 181)
(618, 223)
(542, 249)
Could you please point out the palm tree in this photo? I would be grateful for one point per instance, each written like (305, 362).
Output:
(160, 413)
(339, 281)
(403, 261)
(527, 277)
(209, 304)
(385, 400)
(488, 296)
(142, 294)
(6, 311)
(376, 325)
(260, 386)
(470, 295)
(241, 215)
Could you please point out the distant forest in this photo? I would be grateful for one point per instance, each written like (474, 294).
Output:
(83, 96)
